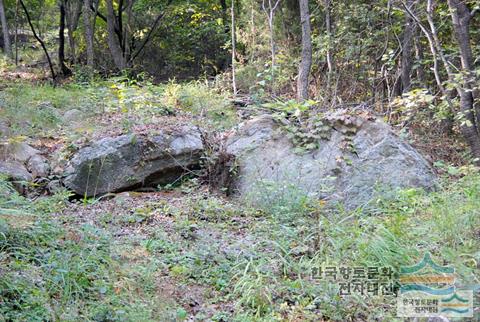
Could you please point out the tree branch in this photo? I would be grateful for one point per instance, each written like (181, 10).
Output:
(39, 40)
(150, 32)
(98, 13)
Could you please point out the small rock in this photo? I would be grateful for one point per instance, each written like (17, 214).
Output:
(4, 129)
(38, 166)
(18, 151)
(15, 172)
(72, 116)
(54, 186)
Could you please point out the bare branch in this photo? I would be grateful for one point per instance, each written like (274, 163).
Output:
(29, 20)
(150, 32)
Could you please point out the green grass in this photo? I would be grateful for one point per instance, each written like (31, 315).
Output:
(36, 109)
(55, 272)
(248, 263)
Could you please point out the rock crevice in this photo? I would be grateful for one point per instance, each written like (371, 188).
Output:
(131, 161)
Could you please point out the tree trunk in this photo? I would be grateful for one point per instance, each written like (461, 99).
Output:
(306, 62)
(470, 127)
(16, 32)
(7, 48)
(234, 81)
(328, 27)
(73, 12)
(407, 50)
(88, 25)
(128, 32)
(420, 71)
(113, 41)
(61, 41)
(270, 13)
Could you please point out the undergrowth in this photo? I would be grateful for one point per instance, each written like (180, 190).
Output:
(53, 272)
(249, 263)
(38, 110)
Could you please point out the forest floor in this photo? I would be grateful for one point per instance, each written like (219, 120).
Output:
(187, 253)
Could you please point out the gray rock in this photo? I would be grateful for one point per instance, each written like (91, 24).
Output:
(15, 172)
(129, 161)
(360, 160)
(4, 129)
(54, 186)
(18, 151)
(38, 166)
(72, 116)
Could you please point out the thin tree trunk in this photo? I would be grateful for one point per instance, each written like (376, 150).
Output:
(16, 32)
(7, 48)
(435, 49)
(328, 27)
(270, 13)
(234, 81)
(88, 25)
(61, 41)
(29, 20)
(127, 32)
(407, 49)
(306, 62)
(253, 32)
(420, 71)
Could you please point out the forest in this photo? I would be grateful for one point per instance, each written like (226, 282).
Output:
(240, 160)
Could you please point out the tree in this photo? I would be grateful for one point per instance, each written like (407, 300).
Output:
(61, 40)
(113, 40)
(88, 24)
(306, 59)
(407, 50)
(121, 42)
(73, 10)
(234, 81)
(469, 105)
(7, 48)
(328, 29)
(269, 8)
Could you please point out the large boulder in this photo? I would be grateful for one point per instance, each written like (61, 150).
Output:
(132, 161)
(352, 161)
